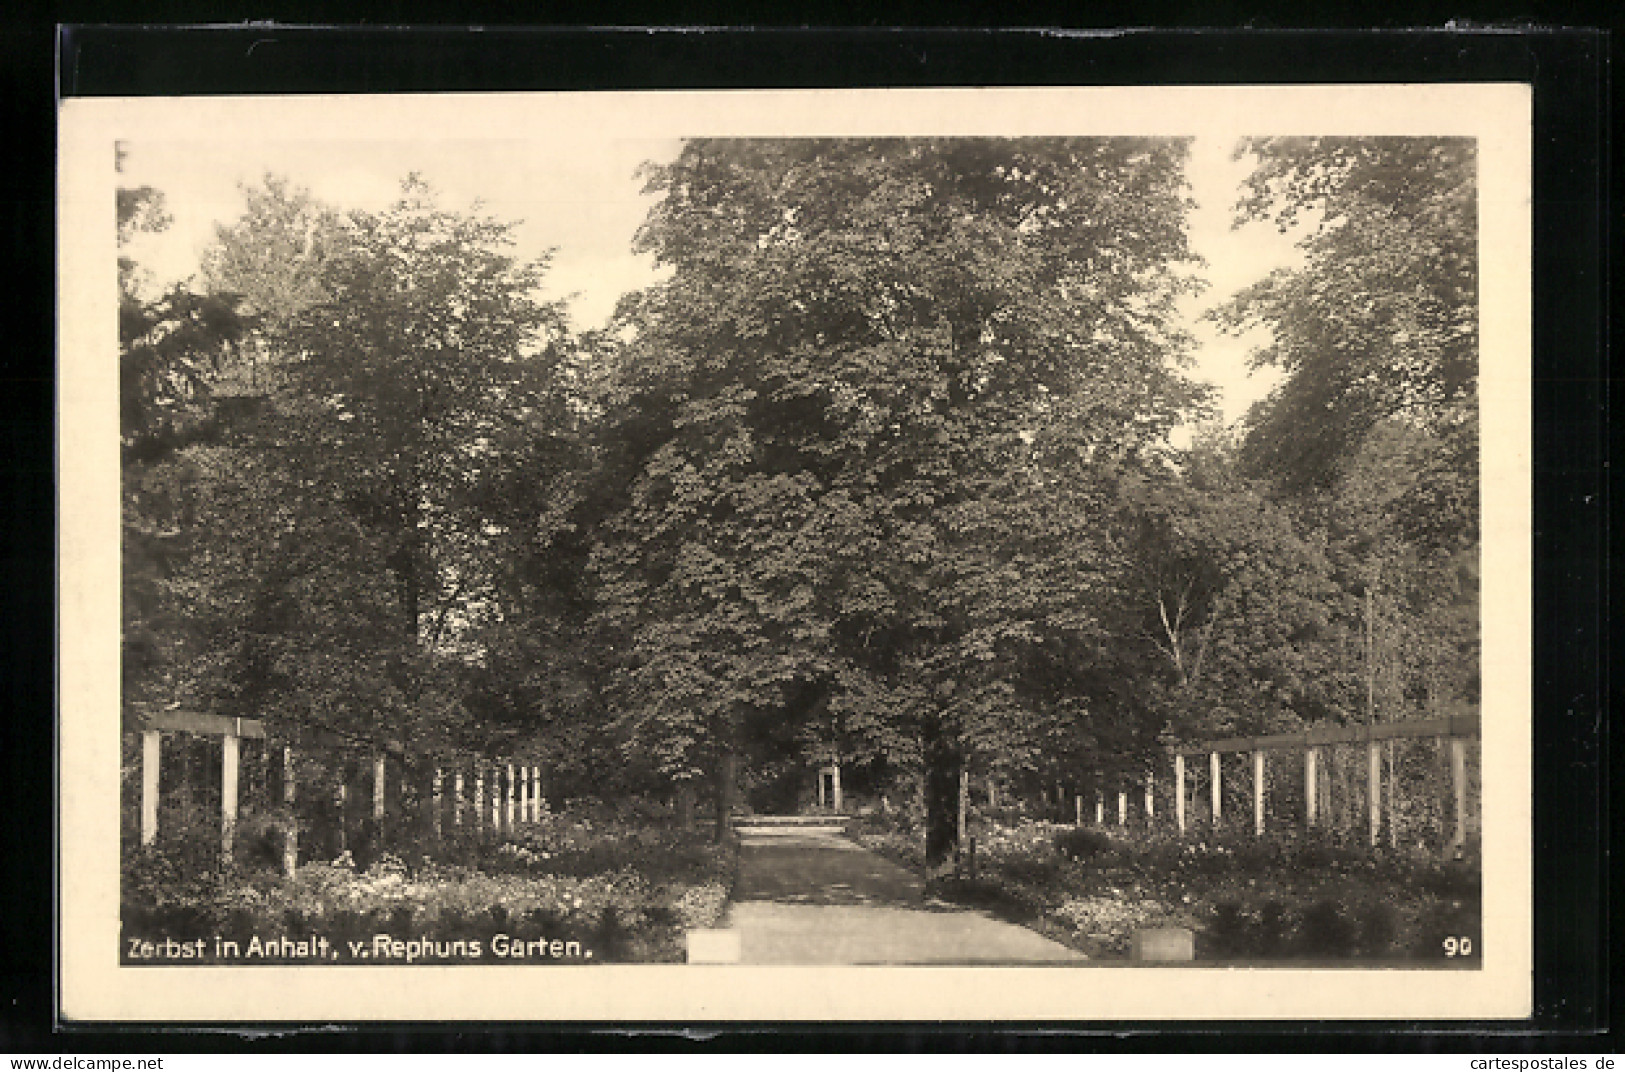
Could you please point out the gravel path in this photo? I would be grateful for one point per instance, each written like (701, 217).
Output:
(819, 898)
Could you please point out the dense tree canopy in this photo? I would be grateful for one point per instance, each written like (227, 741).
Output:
(1381, 323)
(1373, 434)
(875, 401)
(880, 472)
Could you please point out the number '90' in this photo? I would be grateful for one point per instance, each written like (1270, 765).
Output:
(1458, 946)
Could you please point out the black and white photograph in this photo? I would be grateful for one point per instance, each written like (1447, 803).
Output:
(862, 554)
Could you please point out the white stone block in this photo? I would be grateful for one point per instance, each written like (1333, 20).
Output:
(1164, 944)
(713, 947)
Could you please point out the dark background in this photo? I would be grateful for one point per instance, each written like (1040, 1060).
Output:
(1567, 68)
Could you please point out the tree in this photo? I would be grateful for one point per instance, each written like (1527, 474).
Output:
(414, 381)
(866, 417)
(1381, 322)
(1233, 601)
(172, 348)
(1373, 435)
(277, 254)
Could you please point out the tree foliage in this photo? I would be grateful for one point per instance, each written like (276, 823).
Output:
(1372, 438)
(1381, 322)
(171, 347)
(870, 409)
(879, 473)
(344, 531)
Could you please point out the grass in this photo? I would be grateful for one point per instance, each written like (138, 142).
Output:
(1281, 898)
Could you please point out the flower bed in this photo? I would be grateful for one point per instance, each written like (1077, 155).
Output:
(567, 889)
(1276, 898)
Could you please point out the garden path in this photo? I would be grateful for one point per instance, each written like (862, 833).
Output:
(816, 897)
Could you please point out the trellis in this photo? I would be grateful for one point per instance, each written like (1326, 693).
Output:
(515, 797)
(1457, 732)
(1456, 729)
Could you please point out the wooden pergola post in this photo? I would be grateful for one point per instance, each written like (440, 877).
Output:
(1374, 790)
(540, 790)
(1179, 790)
(343, 796)
(229, 759)
(1077, 806)
(1258, 792)
(1100, 808)
(496, 798)
(152, 745)
(457, 798)
(1150, 799)
(1122, 807)
(1458, 785)
(378, 773)
(1311, 783)
(964, 795)
(290, 835)
(479, 794)
(434, 802)
(509, 797)
(1213, 788)
(835, 785)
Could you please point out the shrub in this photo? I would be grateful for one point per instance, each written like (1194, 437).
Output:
(1002, 899)
(260, 839)
(1379, 928)
(1081, 843)
(1270, 936)
(1226, 934)
(1327, 931)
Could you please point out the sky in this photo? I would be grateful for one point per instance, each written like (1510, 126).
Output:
(587, 205)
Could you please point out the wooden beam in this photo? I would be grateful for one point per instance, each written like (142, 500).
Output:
(193, 722)
(206, 725)
(152, 750)
(1454, 726)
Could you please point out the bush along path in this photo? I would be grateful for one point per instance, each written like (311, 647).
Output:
(583, 886)
(1286, 898)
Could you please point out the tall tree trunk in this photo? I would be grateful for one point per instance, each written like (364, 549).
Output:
(727, 775)
(942, 763)
(685, 803)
